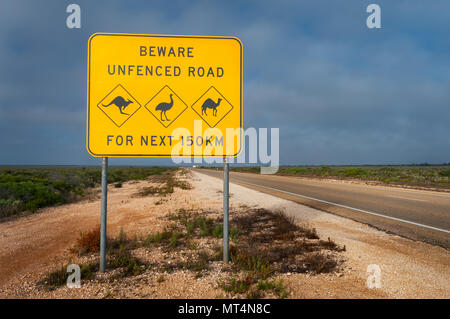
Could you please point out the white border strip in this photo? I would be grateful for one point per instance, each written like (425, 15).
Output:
(348, 207)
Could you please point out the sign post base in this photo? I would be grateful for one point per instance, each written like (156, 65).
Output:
(103, 214)
(225, 210)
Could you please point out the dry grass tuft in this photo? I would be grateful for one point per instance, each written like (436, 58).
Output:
(166, 185)
(319, 263)
(88, 242)
(270, 241)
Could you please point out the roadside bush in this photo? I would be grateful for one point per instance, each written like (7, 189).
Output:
(131, 265)
(88, 242)
(235, 285)
(9, 207)
(319, 263)
(354, 172)
(445, 173)
(58, 278)
(29, 189)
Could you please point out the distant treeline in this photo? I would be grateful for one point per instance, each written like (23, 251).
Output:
(31, 188)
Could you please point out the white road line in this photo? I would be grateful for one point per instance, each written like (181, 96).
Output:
(348, 207)
(408, 198)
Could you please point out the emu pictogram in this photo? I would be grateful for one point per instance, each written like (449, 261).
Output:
(164, 107)
(120, 103)
(210, 104)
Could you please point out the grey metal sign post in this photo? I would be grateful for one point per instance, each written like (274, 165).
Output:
(103, 214)
(225, 210)
(104, 90)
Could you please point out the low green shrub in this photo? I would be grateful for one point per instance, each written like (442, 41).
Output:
(32, 188)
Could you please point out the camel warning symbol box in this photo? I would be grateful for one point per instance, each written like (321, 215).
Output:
(190, 88)
(217, 105)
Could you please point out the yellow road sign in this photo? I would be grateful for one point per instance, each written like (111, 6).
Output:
(161, 95)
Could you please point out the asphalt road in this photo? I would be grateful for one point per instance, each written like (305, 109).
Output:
(416, 214)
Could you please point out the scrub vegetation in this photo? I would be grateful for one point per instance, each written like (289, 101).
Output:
(119, 258)
(166, 184)
(32, 188)
(424, 175)
(264, 244)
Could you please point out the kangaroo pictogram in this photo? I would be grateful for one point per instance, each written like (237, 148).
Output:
(210, 104)
(120, 103)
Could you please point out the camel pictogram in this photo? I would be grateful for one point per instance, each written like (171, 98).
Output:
(164, 107)
(120, 103)
(210, 104)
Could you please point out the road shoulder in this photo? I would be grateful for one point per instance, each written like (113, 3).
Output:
(409, 269)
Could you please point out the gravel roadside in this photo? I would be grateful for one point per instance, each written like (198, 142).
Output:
(28, 250)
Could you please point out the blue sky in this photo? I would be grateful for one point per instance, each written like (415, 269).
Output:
(339, 92)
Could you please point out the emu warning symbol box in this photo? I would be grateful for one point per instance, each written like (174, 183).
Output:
(161, 95)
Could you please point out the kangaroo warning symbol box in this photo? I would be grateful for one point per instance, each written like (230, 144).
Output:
(120, 100)
(161, 95)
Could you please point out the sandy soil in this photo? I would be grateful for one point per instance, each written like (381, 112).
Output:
(33, 245)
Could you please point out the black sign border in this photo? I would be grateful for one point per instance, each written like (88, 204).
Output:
(157, 36)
